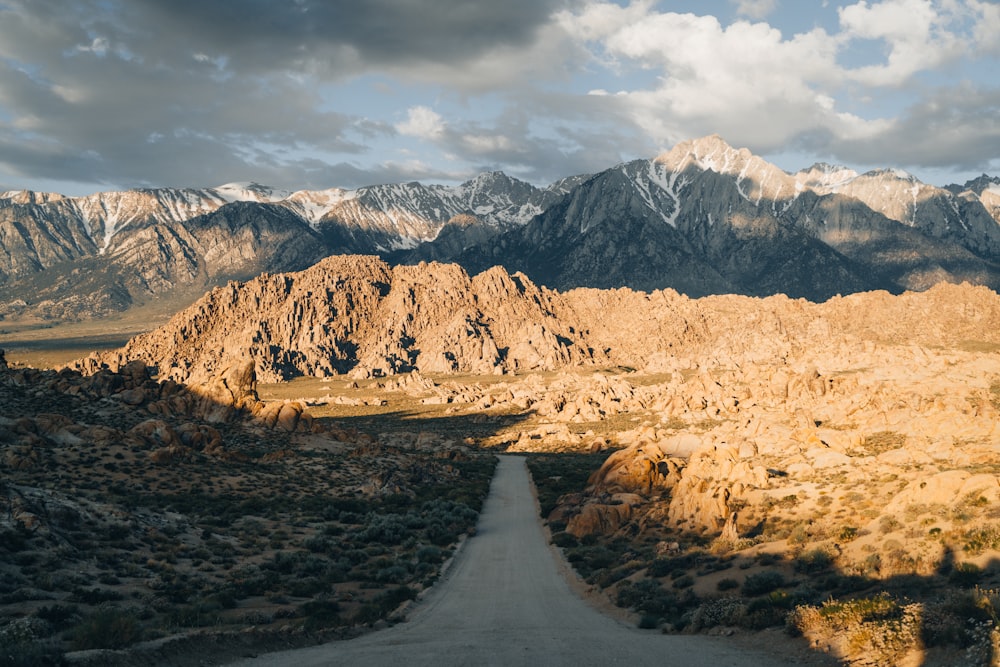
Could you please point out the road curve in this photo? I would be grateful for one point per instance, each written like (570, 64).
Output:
(505, 602)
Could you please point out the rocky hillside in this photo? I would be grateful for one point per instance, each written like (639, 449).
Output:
(359, 315)
(154, 516)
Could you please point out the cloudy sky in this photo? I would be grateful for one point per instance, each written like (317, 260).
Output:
(109, 94)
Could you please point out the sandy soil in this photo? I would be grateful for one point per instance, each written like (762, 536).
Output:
(505, 601)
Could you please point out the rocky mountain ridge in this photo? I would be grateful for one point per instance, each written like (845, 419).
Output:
(703, 218)
(67, 258)
(706, 218)
(359, 315)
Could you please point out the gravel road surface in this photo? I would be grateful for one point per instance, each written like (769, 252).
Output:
(505, 602)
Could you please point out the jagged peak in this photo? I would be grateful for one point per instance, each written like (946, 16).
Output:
(978, 185)
(490, 177)
(250, 191)
(756, 177)
(31, 196)
(495, 180)
(827, 168)
(892, 173)
(711, 153)
(825, 176)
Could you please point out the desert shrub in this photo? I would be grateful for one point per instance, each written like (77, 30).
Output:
(318, 543)
(799, 533)
(587, 559)
(94, 596)
(106, 628)
(557, 474)
(768, 610)
(661, 567)
(648, 621)
(647, 596)
(763, 582)
(394, 574)
(198, 615)
(719, 611)
(876, 629)
(887, 524)
(383, 604)
(321, 614)
(847, 533)
(955, 618)
(767, 558)
(727, 584)
(984, 538)
(58, 616)
(32, 654)
(564, 540)
(430, 554)
(882, 441)
(445, 520)
(386, 529)
(305, 587)
(609, 576)
(20, 632)
(13, 540)
(814, 560)
(965, 575)
(250, 580)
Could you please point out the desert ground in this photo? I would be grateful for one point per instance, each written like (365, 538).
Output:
(506, 601)
(836, 490)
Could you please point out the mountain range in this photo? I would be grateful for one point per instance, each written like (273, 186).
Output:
(703, 218)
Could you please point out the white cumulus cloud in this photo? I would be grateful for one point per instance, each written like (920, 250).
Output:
(422, 122)
(916, 32)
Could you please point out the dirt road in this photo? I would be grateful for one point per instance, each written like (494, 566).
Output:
(505, 602)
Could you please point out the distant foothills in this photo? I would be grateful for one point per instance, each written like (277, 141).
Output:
(704, 218)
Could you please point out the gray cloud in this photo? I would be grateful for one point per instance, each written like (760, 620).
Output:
(333, 37)
(151, 92)
(120, 93)
(80, 102)
(954, 129)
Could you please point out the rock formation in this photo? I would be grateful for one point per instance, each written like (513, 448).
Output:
(359, 315)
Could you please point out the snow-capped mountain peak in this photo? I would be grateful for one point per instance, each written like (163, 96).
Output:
(756, 178)
(249, 191)
(825, 177)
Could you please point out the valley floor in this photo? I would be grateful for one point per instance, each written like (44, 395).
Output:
(505, 602)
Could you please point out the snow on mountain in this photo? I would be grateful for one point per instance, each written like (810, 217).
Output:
(234, 192)
(30, 197)
(313, 205)
(756, 178)
(107, 213)
(823, 177)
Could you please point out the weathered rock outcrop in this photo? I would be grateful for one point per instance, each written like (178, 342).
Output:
(356, 314)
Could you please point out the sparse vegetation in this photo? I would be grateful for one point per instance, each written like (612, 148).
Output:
(852, 504)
